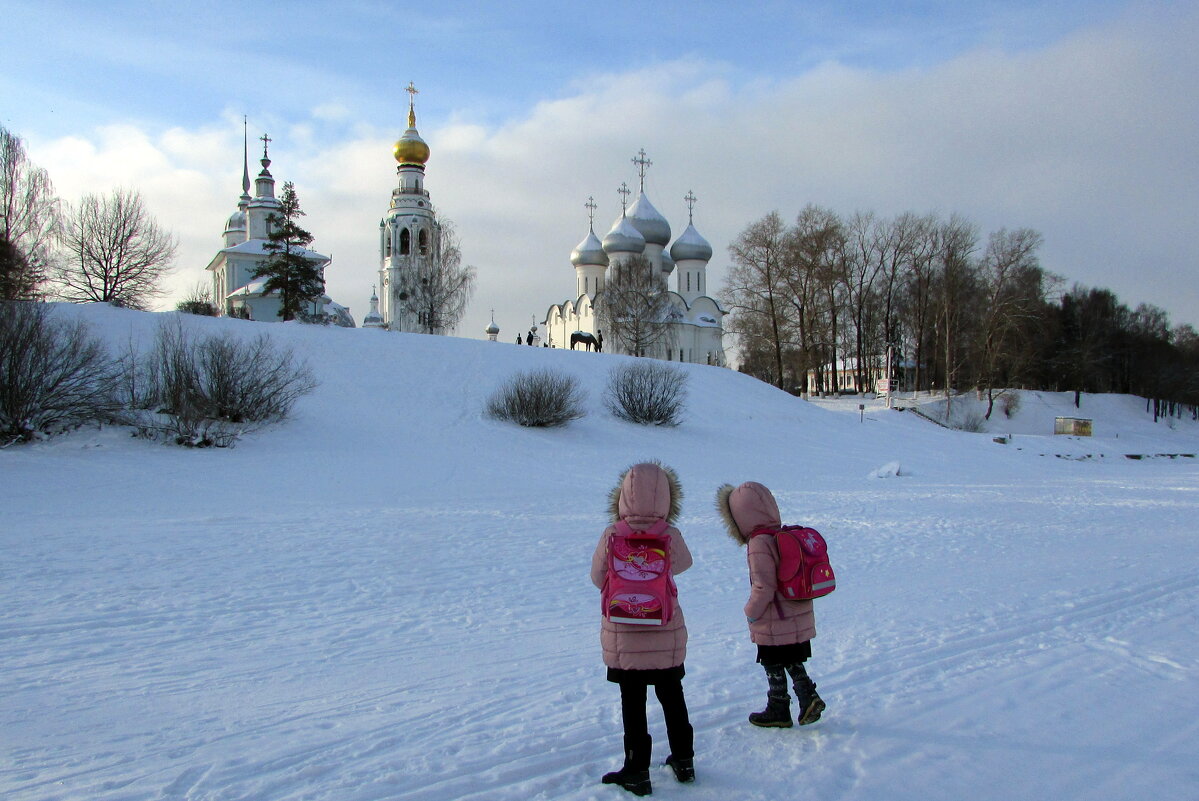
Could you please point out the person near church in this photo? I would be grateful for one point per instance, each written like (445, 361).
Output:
(782, 629)
(640, 656)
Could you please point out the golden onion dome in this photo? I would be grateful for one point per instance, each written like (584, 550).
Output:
(410, 148)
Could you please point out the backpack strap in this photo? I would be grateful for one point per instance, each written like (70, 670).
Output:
(774, 532)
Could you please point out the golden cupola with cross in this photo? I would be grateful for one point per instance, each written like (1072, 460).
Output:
(410, 149)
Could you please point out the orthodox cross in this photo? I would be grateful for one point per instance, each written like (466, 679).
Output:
(624, 193)
(412, 93)
(591, 207)
(690, 198)
(266, 140)
(642, 165)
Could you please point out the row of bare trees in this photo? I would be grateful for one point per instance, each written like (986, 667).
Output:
(106, 248)
(842, 298)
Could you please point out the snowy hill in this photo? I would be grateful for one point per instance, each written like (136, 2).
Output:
(387, 595)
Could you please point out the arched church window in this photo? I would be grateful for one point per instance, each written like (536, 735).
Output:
(405, 242)
(424, 242)
(386, 244)
(688, 282)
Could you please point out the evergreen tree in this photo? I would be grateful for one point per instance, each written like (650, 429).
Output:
(289, 271)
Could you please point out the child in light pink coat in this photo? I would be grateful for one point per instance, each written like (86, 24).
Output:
(638, 656)
(782, 629)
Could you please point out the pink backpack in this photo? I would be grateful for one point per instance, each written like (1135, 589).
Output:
(804, 570)
(639, 587)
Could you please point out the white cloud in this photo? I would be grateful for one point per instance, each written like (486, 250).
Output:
(1089, 140)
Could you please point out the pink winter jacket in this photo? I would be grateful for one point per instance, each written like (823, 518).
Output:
(646, 492)
(744, 509)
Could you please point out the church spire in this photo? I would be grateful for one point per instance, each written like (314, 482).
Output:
(245, 157)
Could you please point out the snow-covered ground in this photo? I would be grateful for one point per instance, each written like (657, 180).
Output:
(387, 596)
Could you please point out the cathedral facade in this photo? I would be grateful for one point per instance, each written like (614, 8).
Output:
(691, 321)
(235, 292)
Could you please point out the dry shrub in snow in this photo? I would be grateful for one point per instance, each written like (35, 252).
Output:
(53, 376)
(1010, 403)
(648, 393)
(209, 392)
(539, 398)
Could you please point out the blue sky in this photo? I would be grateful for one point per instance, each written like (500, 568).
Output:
(1078, 119)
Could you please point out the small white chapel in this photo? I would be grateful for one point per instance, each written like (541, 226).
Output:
(235, 292)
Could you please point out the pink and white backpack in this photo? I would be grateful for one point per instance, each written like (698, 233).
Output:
(639, 587)
(804, 570)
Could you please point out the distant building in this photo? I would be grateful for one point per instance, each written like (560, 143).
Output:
(409, 233)
(695, 320)
(235, 292)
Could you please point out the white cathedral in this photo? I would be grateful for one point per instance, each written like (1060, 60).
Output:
(235, 292)
(694, 320)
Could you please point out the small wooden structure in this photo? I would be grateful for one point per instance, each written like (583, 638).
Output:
(1072, 426)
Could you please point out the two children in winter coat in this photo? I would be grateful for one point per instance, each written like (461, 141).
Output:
(638, 656)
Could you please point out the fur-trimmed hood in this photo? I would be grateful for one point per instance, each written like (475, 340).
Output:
(644, 493)
(746, 508)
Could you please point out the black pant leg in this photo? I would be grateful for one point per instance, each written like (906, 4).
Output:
(678, 725)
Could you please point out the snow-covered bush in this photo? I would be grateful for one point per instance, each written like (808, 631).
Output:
(210, 392)
(538, 398)
(53, 376)
(647, 392)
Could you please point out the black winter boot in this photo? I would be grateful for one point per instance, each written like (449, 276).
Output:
(634, 774)
(777, 713)
(684, 769)
(810, 704)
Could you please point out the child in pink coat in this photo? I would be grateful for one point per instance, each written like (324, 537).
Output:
(638, 656)
(782, 629)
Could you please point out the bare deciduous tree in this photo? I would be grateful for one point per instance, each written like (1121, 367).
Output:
(115, 252)
(634, 309)
(957, 283)
(29, 221)
(755, 290)
(1012, 284)
(436, 292)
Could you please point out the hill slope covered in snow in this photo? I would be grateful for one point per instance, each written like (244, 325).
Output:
(387, 595)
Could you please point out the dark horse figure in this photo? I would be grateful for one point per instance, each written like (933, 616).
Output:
(588, 340)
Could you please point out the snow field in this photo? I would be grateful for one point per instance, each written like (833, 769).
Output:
(387, 598)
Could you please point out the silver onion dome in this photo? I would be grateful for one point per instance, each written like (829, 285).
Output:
(667, 263)
(624, 238)
(237, 222)
(691, 246)
(590, 252)
(649, 221)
